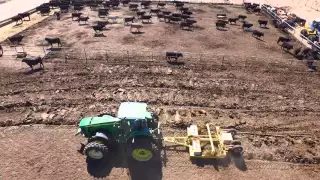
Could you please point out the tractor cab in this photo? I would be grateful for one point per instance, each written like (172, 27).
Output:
(135, 119)
(316, 25)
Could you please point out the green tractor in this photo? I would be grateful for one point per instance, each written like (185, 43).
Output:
(134, 128)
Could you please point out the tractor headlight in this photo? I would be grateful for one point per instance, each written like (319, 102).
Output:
(78, 131)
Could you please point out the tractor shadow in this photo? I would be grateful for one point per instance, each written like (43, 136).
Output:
(150, 170)
(136, 170)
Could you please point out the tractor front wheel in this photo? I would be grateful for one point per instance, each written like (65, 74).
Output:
(96, 150)
(141, 149)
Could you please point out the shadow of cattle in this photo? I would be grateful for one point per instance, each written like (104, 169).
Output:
(223, 162)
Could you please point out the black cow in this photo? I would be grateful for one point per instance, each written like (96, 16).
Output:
(257, 34)
(221, 25)
(146, 17)
(176, 15)
(263, 22)
(257, 10)
(53, 40)
(85, 19)
(44, 11)
(125, 2)
(145, 4)
(77, 15)
(186, 24)
(97, 28)
(24, 15)
(154, 11)
(297, 51)
(190, 21)
(242, 17)
(128, 19)
(283, 39)
(246, 25)
(221, 15)
(306, 51)
(93, 6)
(17, 19)
(187, 12)
(167, 18)
(185, 16)
(64, 8)
(31, 61)
(102, 23)
(173, 55)
(115, 4)
(161, 4)
(174, 19)
(140, 13)
(102, 12)
(182, 9)
(160, 16)
(179, 4)
(300, 21)
(233, 20)
(166, 12)
(133, 6)
(16, 39)
(77, 8)
(286, 46)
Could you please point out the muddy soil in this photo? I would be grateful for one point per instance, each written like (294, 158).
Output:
(274, 107)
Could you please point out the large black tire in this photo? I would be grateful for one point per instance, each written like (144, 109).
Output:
(95, 151)
(237, 150)
(304, 32)
(313, 38)
(141, 149)
(1, 51)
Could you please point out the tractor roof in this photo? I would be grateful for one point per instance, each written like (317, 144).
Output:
(133, 110)
(89, 121)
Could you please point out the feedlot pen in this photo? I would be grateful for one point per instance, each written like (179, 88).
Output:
(228, 78)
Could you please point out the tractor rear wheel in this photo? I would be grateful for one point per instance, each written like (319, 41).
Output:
(141, 149)
(237, 150)
(304, 32)
(96, 150)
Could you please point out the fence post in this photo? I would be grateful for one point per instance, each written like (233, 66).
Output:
(151, 56)
(44, 50)
(222, 61)
(85, 54)
(107, 56)
(128, 57)
(65, 56)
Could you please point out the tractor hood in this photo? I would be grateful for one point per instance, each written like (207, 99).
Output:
(133, 110)
(89, 121)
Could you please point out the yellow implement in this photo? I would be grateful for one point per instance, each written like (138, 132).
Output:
(214, 143)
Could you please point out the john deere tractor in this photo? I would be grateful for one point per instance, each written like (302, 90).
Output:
(135, 128)
(310, 31)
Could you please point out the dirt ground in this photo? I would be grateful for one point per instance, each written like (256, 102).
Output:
(275, 108)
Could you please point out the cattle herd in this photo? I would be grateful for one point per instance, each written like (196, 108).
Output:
(144, 12)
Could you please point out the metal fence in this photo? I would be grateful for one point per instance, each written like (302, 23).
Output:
(78, 56)
(293, 29)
